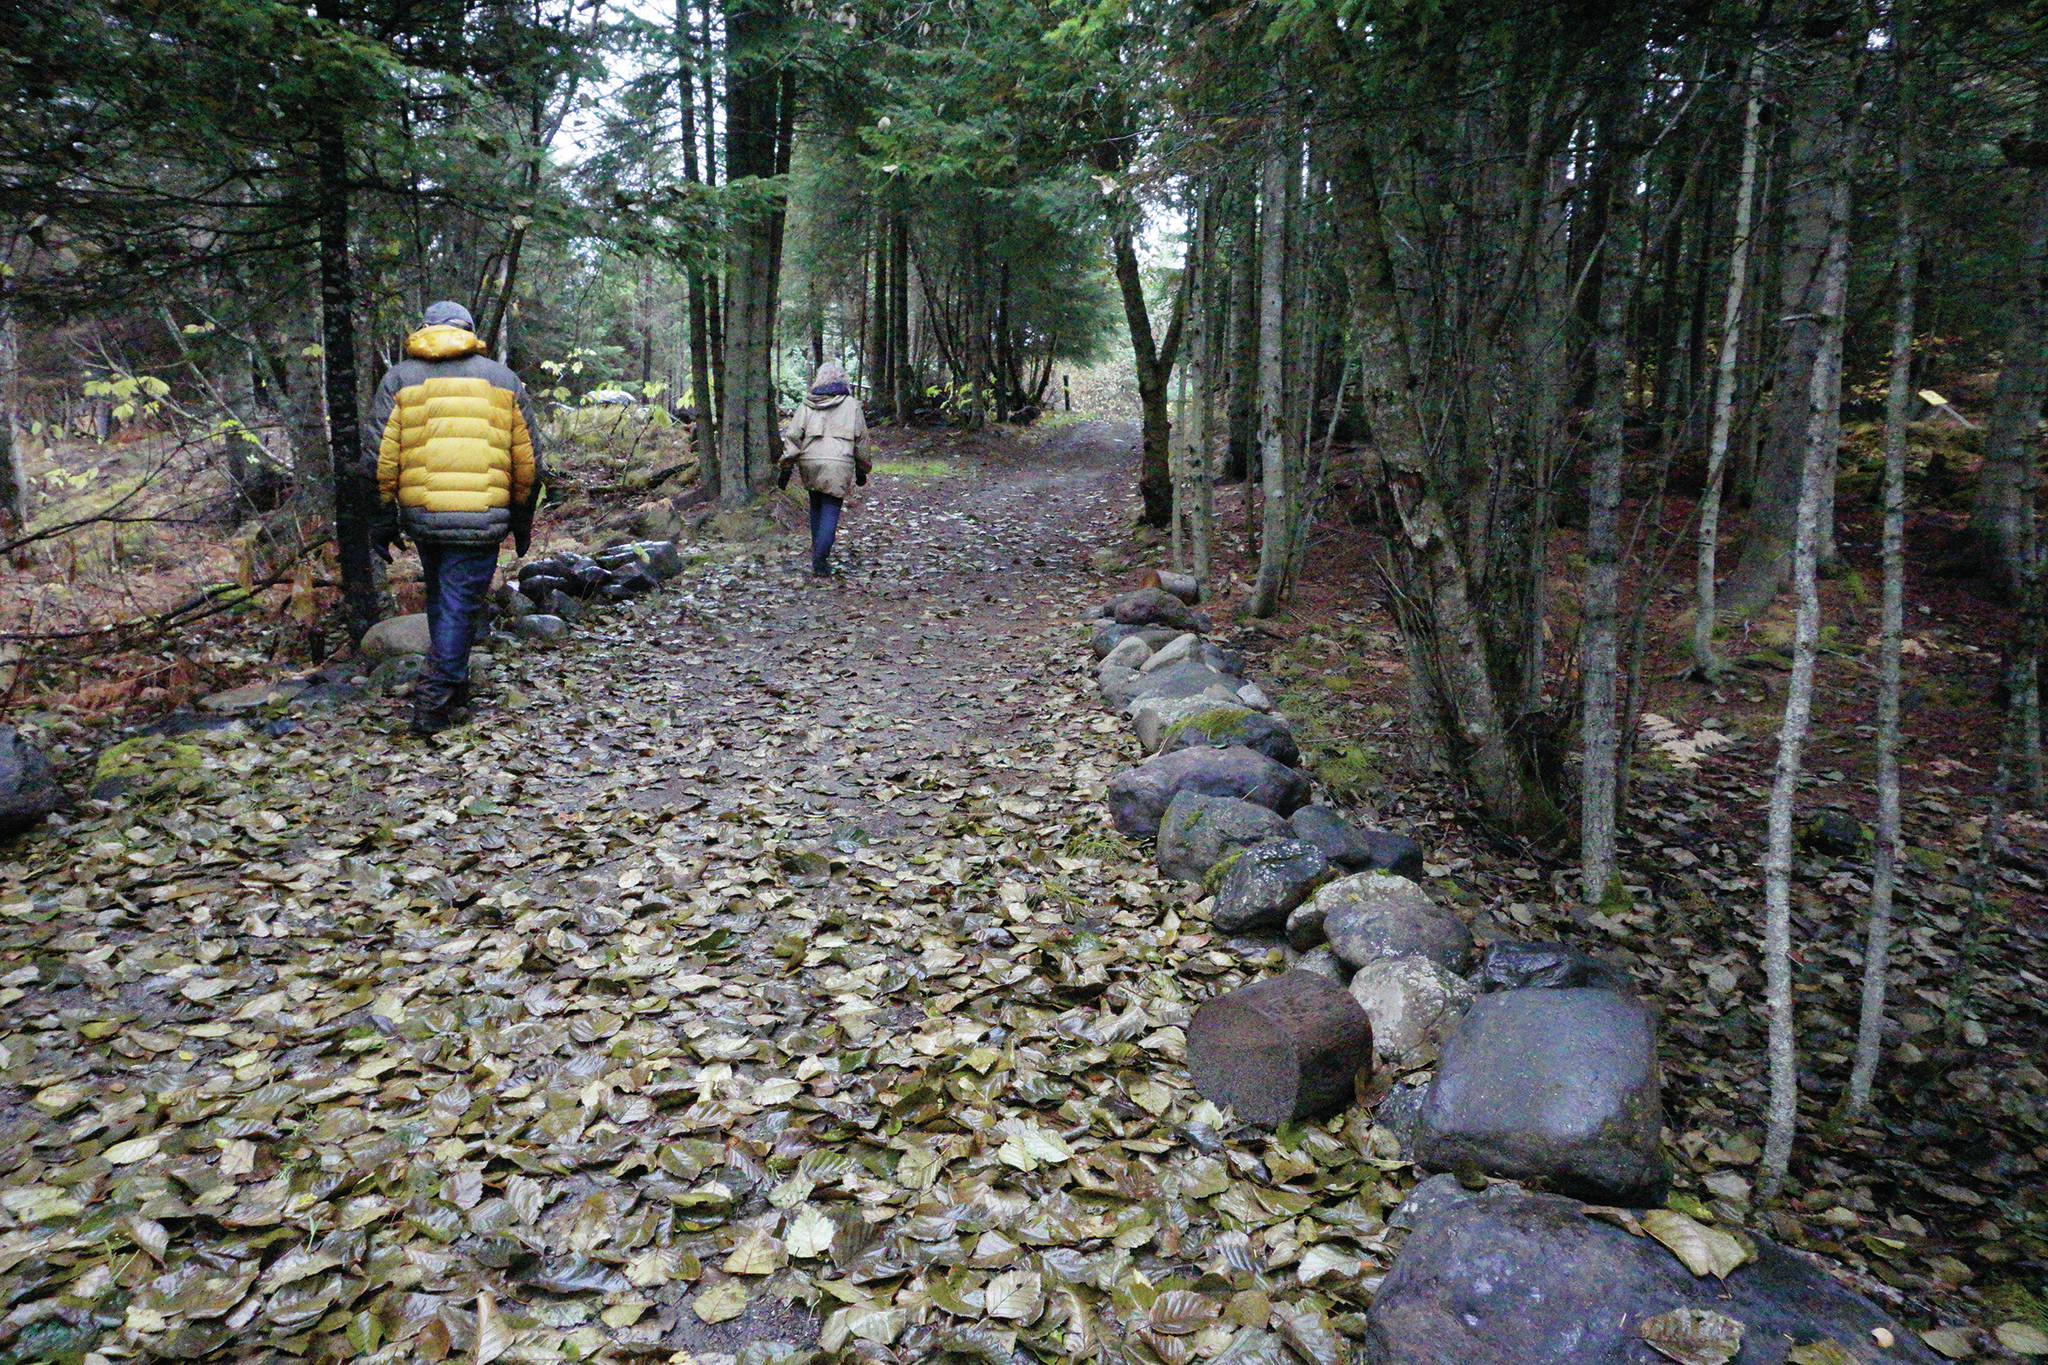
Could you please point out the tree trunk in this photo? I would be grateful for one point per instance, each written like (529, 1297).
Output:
(1891, 628)
(703, 427)
(2002, 514)
(1824, 388)
(1153, 361)
(1272, 389)
(354, 500)
(1241, 345)
(1823, 145)
(899, 316)
(13, 501)
(1599, 658)
(1705, 665)
(747, 440)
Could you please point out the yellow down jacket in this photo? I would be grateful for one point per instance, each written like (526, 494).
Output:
(456, 447)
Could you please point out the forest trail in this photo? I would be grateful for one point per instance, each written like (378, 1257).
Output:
(759, 967)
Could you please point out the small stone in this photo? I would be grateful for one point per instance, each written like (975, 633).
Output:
(397, 636)
(1138, 796)
(515, 603)
(1131, 652)
(559, 604)
(1206, 722)
(1372, 915)
(252, 696)
(1510, 966)
(1186, 679)
(1182, 647)
(1118, 685)
(1832, 833)
(1154, 607)
(1263, 883)
(28, 784)
(1358, 850)
(1197, 832)
(540, 627)
(1413, 1004)
(1321, 961)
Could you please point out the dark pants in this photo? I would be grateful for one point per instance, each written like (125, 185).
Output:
(824, 527)
(458, 577)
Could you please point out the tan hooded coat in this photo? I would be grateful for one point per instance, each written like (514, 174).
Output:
(822, 437)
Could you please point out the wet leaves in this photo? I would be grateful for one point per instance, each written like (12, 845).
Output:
(1705, 1250)
(1693, 1336)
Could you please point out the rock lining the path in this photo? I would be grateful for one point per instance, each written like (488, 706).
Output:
(1413, 1004)
(1163, 727)
(1138, 796)
(1506, 1277)
(1197, 832)
(1372, 915)
(29, 792)
(1261, 884)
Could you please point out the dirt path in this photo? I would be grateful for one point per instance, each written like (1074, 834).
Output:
(760, 966)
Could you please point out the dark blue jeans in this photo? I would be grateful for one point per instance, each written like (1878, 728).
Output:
(458, 577)
(824, 527)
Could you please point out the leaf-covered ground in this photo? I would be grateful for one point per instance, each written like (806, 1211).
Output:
(755, 975)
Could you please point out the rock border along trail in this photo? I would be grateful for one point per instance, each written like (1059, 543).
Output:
(757, 975)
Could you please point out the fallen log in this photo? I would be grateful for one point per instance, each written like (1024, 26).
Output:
(1285, 1048)
(1185, 586)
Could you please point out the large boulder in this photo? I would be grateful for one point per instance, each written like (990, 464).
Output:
(1206, 723)
(1197, 832)
(1511, 966)
(1553, 1085)
(1358, 850)
(1413, 1005)
(1370, 915)
(1138, 796)
(397, 636)
(28, 784)
(1505, 1277)
(1263, 883)
(1154, 607)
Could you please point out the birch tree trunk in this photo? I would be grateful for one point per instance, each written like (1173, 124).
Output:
(1891, 628)
(1272, 390)
(2002, 514)
(1823, 397)
(1705, 665)
(12, 500)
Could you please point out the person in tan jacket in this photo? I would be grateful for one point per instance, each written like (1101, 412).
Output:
(821, 442)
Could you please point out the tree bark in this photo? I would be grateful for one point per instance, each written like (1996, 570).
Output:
(1599, 657)
(747, 435)
(13, 500)
(1824, 389)
(1153, 360)
(1705, 664)
(1274, 464)
(2002, 514)
(354, 500)
(1241, 344)
(704, 425)
(1823, 145)
(1891, 627)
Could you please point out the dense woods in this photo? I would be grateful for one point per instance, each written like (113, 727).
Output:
(1586, 322)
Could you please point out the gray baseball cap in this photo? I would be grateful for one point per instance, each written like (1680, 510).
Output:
(448, 313)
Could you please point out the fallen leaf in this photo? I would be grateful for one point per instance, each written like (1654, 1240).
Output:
(1704, 1250)
(1693, 1336)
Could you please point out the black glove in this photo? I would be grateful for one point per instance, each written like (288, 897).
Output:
(782, 479)
(384, 533)
(860, 475)
(522, 525)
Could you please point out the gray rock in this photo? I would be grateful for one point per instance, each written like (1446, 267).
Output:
(1151, 717)
(557, 603)
(1304, 929)
(660, 557)
(1138, 796)
(540, 627)
(1321, 961)
(1107, 635)
(1413, 1004)
(1198, 832)
(253, 696)
(1186, 679)
(1222, 660)
(1131, 652)
(515, 603)
(1376, 914)
(1218, 725)
(395, 673)
(1400, 1113)
(1154, 607)
(1263, 883)
(396, 636)
(1506, 1277)
(1511, 966)
(28, 784)
(1553, 1085)
(1182, 647)
(1359, 850)
(1254, 696)
(1118, 685)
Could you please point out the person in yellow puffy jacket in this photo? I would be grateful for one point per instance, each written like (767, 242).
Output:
(458, 467)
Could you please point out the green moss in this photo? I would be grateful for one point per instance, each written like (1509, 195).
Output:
(1350, 772)
(1213, 878)
(146, 750)
(1219, 723)
(916, 469)
(1097, 842)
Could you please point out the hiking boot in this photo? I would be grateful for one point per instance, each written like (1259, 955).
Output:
(431, 720)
